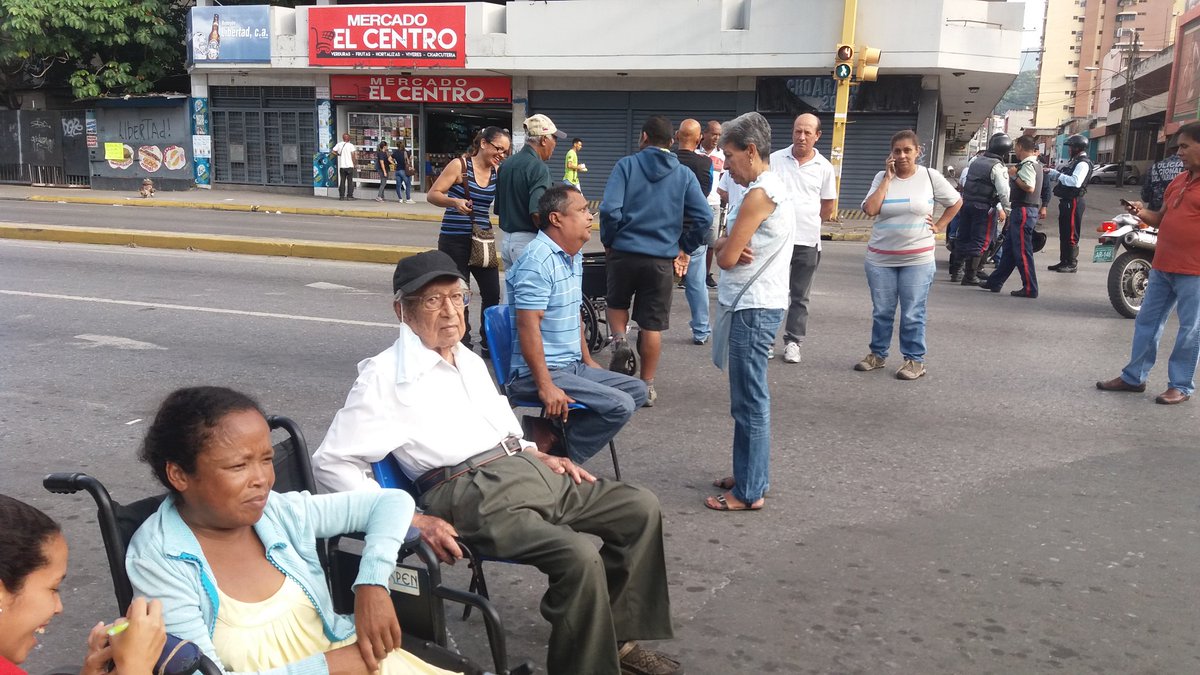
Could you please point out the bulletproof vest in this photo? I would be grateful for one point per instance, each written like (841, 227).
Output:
(979, 186)
(1020, 197)
(1062, 191)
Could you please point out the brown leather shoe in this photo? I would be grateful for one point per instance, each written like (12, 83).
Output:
(1171, 397)
(1118, 384)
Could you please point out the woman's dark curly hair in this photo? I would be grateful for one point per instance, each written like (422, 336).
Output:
(184, 424)
(24, 532)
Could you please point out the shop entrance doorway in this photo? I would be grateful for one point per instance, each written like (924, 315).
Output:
(449, 132)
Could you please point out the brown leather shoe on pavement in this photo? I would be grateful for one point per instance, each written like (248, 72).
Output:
(1119, 384)
(1171, 397)
(636, 660)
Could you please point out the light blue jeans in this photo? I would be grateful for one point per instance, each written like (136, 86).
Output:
(403, 181)
(751, 333)
(696, 292)
(909, 287)
(1167, 291)
(512, 245)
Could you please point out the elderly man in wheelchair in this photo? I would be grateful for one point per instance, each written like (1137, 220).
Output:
(431, 404)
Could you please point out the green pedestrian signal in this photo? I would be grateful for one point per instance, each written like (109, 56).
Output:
(842, 71)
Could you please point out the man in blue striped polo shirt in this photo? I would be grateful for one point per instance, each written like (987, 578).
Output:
(550, 356)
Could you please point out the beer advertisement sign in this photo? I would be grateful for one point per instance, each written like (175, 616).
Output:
(232, 34)
(400, 36)
(406, 89)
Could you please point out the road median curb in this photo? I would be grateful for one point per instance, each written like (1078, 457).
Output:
(296, 248)
(245, 208)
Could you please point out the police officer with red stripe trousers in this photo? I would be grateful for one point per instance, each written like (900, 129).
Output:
(984, 186)
(1072, 184)
(1025, 189)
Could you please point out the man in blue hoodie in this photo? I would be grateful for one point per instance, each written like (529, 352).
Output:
(653, 212)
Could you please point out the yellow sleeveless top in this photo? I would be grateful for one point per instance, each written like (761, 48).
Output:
(284, 628)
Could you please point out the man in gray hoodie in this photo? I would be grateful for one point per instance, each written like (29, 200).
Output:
(652, 214)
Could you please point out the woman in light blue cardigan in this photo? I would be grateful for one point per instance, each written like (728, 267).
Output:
(235, 564)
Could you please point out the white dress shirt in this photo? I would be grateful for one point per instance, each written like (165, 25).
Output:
(808, 183)
(410, 401)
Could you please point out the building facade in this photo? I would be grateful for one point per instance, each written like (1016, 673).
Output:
(431, 75)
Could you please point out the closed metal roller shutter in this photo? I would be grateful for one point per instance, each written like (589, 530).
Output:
(610, 123)
(263, 135)
(868, 138)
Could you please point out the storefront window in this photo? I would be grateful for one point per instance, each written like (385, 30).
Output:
(368, 129)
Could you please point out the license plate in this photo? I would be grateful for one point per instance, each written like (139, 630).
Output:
(1104, 253)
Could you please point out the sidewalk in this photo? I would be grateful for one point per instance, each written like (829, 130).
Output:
(249, 201)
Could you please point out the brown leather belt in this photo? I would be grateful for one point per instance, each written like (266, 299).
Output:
(435, 477)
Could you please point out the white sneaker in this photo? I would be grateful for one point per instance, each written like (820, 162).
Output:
(791, 352)
(770, 352)
(410, 201)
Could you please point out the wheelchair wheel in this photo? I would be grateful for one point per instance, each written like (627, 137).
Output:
(595, 328)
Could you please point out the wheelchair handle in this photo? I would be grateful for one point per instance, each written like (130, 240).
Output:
(66, 483)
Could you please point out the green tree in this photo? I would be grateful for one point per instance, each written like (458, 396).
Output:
(95, 47)
(1020, 95)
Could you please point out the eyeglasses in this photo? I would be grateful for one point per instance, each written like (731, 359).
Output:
(498, 148)
(434, 302)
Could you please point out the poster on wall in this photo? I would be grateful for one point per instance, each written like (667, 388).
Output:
(401, 36)
(202, 149)
(230, 34)
(1187, 78)
(415, 89)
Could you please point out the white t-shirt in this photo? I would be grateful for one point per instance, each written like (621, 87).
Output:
(345, 154)
(718, 162)
(900, 236)
(770, 290)
(735, 192)
(809, 183)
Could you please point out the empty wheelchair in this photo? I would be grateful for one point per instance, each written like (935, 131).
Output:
(417, 590)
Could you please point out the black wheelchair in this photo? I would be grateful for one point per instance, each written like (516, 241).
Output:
(416, 589)
(592, 310)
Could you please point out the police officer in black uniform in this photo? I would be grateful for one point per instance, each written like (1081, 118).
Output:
(986, 184)
(1026, 192)
(1072, 184)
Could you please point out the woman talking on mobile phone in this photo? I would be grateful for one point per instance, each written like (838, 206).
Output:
(899, 262)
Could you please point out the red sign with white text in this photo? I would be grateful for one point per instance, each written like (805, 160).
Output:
(403, 36)
(419, 89)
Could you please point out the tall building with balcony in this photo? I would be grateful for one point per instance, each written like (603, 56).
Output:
(1077, 35)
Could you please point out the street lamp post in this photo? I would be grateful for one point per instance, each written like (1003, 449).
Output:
(1121, 146)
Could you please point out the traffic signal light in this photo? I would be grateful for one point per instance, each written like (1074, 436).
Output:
(868, 71)
(843, 62)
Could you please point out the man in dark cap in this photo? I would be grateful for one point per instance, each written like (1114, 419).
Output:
(430, 402)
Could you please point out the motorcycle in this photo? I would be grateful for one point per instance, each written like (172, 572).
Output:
(1130, 271)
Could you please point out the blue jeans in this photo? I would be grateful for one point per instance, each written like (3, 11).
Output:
(751, 334)
(512, 245)
(908, 286)
(1167, 291)
(405, 180)
(610, 398)
(696, 292)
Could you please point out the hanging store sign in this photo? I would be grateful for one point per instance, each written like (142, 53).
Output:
(402, 36)
(421, 89)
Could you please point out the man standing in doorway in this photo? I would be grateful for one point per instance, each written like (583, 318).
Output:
(573, 165)
(708, 147)
(810, 179)
(649, 198)
(1072, 185)
(520, 185)
(347, 157)
(688, 139)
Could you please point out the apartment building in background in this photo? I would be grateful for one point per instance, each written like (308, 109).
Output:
(1076, 37)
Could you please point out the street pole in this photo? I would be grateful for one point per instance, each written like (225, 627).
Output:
(842, 104)
(1126, 112)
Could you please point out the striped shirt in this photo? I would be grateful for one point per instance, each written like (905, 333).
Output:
(900, 236)
(546, 278)
(454, 222)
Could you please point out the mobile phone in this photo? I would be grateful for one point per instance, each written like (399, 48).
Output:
(1126, 203)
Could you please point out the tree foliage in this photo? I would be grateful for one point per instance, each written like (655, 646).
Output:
(95, 47)
(1021, 95)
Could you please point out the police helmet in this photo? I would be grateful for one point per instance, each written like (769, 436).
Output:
(1000, 145)
(1077, 143)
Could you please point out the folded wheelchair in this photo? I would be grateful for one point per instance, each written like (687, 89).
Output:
(416, 587)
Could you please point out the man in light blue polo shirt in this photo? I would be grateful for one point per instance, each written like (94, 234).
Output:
(550, 358)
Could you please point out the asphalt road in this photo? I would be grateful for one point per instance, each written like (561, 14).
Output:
(999, 515)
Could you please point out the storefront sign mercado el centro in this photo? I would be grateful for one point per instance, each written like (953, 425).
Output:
(441, 89)
(405, 36)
